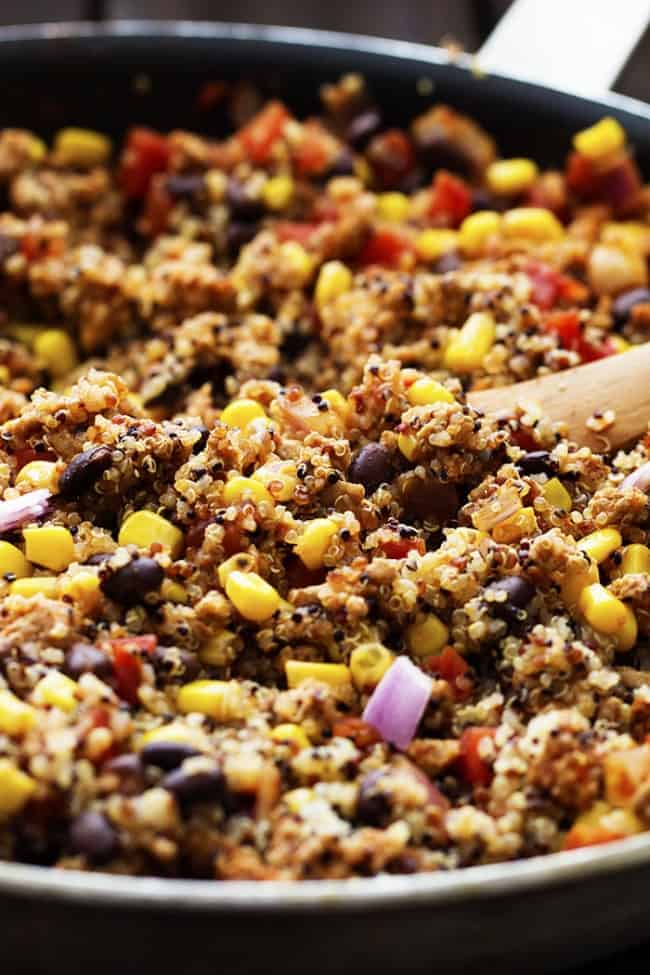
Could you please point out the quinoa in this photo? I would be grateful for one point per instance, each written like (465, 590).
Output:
(240, 478)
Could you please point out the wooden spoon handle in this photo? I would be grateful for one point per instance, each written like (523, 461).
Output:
(620, 383)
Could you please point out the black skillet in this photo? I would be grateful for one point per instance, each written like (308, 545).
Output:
(533, 915)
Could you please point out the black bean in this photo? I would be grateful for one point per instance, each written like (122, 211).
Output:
(242, 205)
(623, 305)
(8, 246)
(518, 590)
(362, 128)
(371, 467)
(130, 772)
(130, 584)
(176, 663)
(84, 470)
(98, 558)
(185, 186)
(204, 433)
(167, 755)
(428, 499)
(484, 200)
(92, 835)
(84, 658)
(537, 462)
(439, 152)
(373, 806)
(240, 232)
(194, 786)
(448, 262)
(343, 165)
(294, 343)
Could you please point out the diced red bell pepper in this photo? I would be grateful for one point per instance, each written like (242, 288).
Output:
(127, 665)
(453, 668)
(26, 455)
(581, 175)
(262, 132)
(392, 157)
(314, 152)
(549, 286)
(566, 325)
(399, 548)
(384, 248)
(360, 732)
(470, 764)
(146, 152)
(451, 199)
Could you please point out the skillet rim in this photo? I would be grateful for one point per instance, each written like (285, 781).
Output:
(309, 896)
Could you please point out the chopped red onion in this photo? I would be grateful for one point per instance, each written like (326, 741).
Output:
(398, 702)
(639, 479)
(26, 508)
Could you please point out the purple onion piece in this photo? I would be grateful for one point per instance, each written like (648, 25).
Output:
(398, 702)
(20, 511)
(639, 479)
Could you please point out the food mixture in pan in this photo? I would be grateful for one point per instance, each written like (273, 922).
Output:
(275, 602)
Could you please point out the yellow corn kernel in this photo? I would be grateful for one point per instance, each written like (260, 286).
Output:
(522, 524)
(605, 612)
(294, 256)
(37, 148)
(627, 635)
(468, 348)
(47, 586)
(174, 731)
(425, 391)
(557, 495)
(427, 636)
(292, 735)
(174, 592)
(241, 412)
(13, 562)
(218, 699)
(619, 344)
(81, 147)
(532, 223)
(626, 233)
(57, 691)
(393, 206)
(368, 664)
(278, 477)
(143, 528)
(216, 652)
(16, 717)
(277, 192)
(252, 596)
(600, 544)
(476, 230)
(407, 444)
(576, 579)
(15, 788)
(298, 671)
(5, 376)
(297, 799)
(82, 588)
(334, 279)
(433, 243)
(216, 183)
(314, 541)
(510, 176)
(57, 351)
(336, 400)
(636, 559)
(601, 139)
(362, 170)
(51, 546)
(245, 489)
(39, 474)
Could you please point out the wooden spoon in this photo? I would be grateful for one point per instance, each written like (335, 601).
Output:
(620, 383)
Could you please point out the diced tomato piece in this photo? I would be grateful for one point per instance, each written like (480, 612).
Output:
(158, 206)
(470, 764)
(360, 732)
(146, 152)
(315, 151)
(292, 230)
(451, 199)
(127, 666)
(620, 186)
(522, 438)
(399, 548)
(26, 455)
(452, 667)
(34, 247)
(262, 132)
(392, 157)
(566, 326)
(581, 174)
(385, 248)
(590, 351)
(579, 837)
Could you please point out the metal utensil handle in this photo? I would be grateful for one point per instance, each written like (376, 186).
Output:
(577, 46)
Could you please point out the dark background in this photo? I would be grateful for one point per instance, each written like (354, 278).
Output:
(467, 22)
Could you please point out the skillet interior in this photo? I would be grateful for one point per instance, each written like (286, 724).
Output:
(87, 76)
